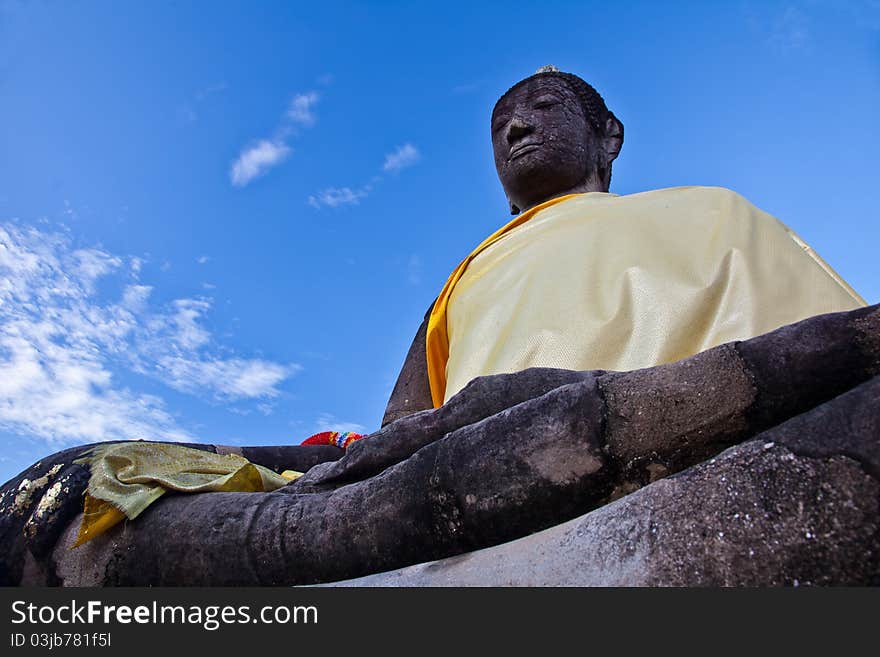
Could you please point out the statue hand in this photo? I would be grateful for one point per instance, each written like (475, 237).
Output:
(37, 505)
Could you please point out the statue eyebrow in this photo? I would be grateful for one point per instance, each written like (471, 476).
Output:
(498, 120)
(547, 95)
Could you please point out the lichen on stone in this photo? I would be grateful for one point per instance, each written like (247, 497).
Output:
(28, 488)
(48, 504)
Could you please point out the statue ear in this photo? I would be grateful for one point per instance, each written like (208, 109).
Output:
(613, 137)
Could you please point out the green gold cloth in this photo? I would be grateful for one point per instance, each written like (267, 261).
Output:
(129, 476)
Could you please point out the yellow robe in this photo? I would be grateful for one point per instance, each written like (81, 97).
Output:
(600, 281)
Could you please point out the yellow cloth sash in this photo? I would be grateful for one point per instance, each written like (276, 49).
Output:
(437, 341)
(600, 281)
(127, 477)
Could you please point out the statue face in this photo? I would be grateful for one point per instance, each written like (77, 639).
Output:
(542, 141)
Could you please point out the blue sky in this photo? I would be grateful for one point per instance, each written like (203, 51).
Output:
(224, 221)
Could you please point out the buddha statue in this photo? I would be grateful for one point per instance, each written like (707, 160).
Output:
(589, 348)
(583, 279)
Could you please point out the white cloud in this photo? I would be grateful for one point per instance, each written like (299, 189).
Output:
(333, 197)
(91, 264)
(404, 156)
(300, 109)
(63, 348)
(202, 259)
(329, 422)
(134, 297)
(256, 160)
(234, 378)
(188, 334)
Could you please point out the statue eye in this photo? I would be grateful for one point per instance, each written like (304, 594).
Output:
(499, 123)
(545, 102)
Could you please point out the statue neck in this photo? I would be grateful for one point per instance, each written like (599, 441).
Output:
(591, 184)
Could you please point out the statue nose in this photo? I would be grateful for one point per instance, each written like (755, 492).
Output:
(517, 129)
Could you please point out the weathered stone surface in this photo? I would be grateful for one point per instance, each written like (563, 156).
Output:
(820, 358)
(682, 407)
(38, 504)
(467, 490)
(479, 399)
(796, 505)
(508, 456)
(29, 526)
(411, 393)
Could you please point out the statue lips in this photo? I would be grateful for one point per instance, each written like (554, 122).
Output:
(522, 149)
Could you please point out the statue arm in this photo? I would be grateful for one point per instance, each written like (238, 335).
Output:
(411, 393)
(501, 460)
(41, 501)
(284, 457)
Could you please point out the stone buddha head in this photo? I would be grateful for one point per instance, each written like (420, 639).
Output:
(552, 135)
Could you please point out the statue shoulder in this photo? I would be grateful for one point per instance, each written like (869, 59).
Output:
(703, 193)
(702, 199)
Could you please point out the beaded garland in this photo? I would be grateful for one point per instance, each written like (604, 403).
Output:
(338, 438)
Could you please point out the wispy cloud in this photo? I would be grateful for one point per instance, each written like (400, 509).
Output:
(234, 378)
(203, 259)
(402, 157)
(177, 349)
(186, 330)
(64, 349)
(333, 197)
(301, 108)
(90, 264)
(256, 160)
